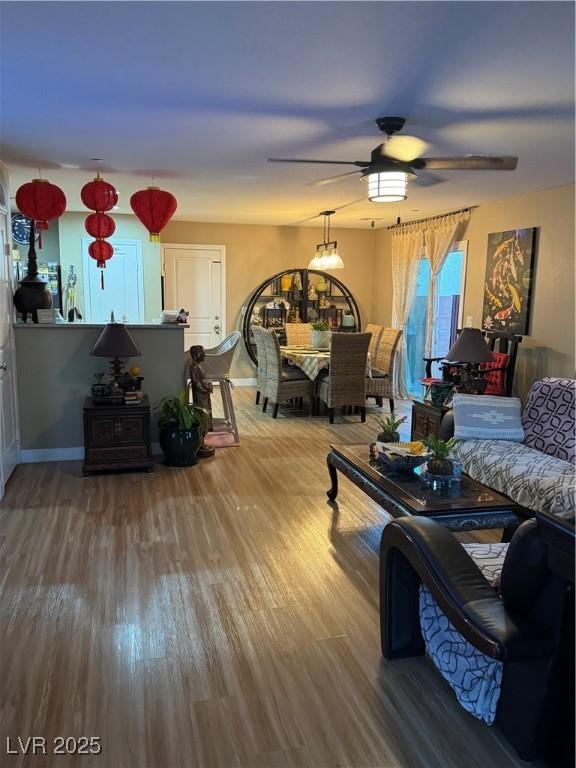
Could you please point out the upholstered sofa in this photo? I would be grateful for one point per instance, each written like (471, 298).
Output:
(538, 473)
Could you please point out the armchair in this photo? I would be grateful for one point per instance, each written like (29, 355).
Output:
(528, 629)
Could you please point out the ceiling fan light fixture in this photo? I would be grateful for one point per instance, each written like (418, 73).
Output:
(387, 186)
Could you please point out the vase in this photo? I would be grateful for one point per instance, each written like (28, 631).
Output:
(320, 339)
(33, 293)
(388, 437)
(180, 446)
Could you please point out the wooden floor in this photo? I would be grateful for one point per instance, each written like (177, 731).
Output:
(220, 615)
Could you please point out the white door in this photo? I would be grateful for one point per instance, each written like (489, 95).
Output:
(9, 438)
(194, 280)
(123, 290)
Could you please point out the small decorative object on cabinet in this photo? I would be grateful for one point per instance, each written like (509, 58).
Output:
(303, 301)
(182, 429)
(320, 336)
(116, 436)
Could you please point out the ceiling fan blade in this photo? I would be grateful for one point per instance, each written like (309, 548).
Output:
(405, 148)
(426, 179)
(331, 179)
(359, 163)
(468, 163)
(336, 208)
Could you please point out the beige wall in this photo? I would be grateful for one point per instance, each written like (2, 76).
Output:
(254, 253)
(55, 372)
(128, 227)
(548, 350)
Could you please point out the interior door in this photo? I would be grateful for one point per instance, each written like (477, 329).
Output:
(194, 280)
(123, 290)
(9, 438)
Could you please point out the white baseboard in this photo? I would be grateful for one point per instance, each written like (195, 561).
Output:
(244, 382)
(36, 455)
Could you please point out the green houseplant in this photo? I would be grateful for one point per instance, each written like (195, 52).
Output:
(439, 463)
(182, 428)
(320, 336)
(389, 427)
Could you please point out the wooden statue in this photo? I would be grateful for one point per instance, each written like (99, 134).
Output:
(201, 391)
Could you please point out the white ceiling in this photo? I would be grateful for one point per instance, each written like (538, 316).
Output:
(199, 95)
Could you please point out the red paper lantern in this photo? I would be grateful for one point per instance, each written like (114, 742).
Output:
(154, 207)
(100, 250)
(100, 225)
(99, 195)
(41, 201)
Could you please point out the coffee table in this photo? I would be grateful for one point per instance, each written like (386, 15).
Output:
(471, 507)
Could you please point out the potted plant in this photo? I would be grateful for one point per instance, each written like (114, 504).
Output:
(320, 337)
(439, 463)
(389, 427)
(182, 428)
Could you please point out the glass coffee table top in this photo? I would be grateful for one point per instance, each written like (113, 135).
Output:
(409, 489)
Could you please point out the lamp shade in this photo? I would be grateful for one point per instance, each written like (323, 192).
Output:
(470, 347)
(115, 341)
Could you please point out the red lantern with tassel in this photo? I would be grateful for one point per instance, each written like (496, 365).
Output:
(41, 201)
(154, 207)
(100, 225)
(99, 196)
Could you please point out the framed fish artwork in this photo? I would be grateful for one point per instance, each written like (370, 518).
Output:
(508, 280)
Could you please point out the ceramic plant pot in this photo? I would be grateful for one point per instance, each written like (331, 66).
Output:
(180, 446)
(388, 437)
(320, 339)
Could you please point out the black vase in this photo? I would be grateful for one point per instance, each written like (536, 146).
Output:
(180, 446)
(33, 293)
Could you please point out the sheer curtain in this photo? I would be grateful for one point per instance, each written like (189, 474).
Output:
(407, 250)
(439, 235)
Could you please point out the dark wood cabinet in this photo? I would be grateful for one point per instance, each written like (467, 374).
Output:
(117, 436)
(426, 419)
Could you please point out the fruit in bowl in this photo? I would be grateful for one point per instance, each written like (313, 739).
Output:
(403, 457)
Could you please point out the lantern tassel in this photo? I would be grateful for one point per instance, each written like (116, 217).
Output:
(102, 279)
(154, 237)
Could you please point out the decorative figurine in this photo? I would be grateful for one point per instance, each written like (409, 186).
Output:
(201, 391)
(182, 318)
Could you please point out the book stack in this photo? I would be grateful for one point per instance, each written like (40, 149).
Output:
(132, 398)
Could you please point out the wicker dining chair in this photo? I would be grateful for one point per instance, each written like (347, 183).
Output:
(261, 362)
(345, 385)
(282, 383)
(376, 331)
(298, 334)
(380, 385)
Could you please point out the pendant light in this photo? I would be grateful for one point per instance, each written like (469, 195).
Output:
(326, 256)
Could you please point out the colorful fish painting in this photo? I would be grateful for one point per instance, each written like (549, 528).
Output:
(508, 280)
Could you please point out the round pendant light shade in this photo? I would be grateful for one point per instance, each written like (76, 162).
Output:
(387, 186)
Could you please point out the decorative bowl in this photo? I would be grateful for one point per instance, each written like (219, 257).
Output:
(401, 463)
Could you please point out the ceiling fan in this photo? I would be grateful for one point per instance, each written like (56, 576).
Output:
(393, 163)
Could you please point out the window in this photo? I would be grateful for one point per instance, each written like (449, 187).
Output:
(446, 315)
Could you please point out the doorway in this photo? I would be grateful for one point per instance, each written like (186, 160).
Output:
(195, 280)
(123, 291)
(446, 315)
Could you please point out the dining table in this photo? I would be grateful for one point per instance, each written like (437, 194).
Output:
(311, 361)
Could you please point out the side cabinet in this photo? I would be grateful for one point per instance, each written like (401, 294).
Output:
(426, 420)
(117, 437)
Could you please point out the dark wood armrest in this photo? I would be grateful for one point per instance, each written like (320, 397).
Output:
(458, 586)
(429, 361)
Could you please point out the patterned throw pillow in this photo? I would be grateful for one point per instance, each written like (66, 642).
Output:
(549, 418)
(494, 374)
(486, 417)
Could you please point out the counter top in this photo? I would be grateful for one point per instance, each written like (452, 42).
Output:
(154, 326)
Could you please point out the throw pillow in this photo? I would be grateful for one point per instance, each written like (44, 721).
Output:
(549, 418)
(486, 417)
(495, 379)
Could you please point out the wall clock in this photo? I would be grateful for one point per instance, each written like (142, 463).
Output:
(21, 229)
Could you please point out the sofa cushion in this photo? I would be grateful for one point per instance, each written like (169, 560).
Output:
(495, 379)
(529, 477)
(549, 418)
(485, 416)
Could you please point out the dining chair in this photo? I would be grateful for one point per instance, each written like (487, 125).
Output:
(381, 382)
(376, 331)
(298, 334)
(345, 385)
(260, 364)
(216, 368)
(282, 383)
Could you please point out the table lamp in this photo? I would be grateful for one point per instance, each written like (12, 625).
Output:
(469, 351)
(115, 342)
